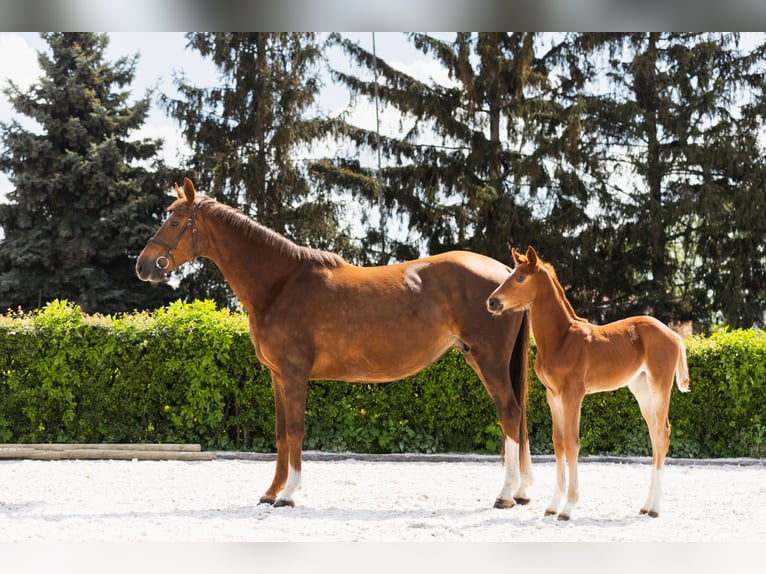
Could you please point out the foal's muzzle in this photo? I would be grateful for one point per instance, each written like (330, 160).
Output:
(494, 305)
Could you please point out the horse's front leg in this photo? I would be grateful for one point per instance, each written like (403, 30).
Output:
(554, 402)
(280, 472)
(570, 418)
(294, 390)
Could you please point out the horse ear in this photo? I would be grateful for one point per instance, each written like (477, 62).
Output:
(179, 191)
(189, 191)
(518, 258)
(532, 256)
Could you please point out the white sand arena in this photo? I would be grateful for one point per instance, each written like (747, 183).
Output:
(369, 501)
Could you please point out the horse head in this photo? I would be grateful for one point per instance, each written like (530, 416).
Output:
(518, 290)
(175, 242)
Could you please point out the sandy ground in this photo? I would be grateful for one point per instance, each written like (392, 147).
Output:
(369, 501)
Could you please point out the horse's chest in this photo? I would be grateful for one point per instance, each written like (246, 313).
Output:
(555, 373)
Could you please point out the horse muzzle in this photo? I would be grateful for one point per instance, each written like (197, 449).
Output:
(495, 305)
(152, 271)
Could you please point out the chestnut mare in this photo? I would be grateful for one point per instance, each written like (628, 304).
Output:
(575, 358)
(312, 315)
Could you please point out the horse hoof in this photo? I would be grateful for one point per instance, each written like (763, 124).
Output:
(502, 503)
(549, 512)
(267, 500)
(652, 513)
(282, 502)
(522, 501)
(563, 517)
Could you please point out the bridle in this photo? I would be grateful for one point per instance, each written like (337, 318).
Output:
(164, 261)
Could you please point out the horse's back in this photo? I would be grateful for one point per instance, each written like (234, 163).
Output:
(617, 351)
(474, 263)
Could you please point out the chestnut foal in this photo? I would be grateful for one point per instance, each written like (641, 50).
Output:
(575, 358)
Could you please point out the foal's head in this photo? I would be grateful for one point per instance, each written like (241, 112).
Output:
(519, 289)
(175, 242)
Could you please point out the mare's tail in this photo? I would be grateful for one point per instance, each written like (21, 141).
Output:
(519, 368)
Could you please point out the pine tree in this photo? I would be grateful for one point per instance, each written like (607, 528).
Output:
(82, 205)
(477, 187)
(626, 158)
(667, 118)
(730, 277)
(246, 134)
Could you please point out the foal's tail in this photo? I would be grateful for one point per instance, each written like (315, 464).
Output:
(519, 368)
(682, 368)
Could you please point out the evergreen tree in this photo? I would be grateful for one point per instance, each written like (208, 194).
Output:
(82, 206)
(246, 134)
(494, 175)
(729, 231)
(667, 118)
(626, 158)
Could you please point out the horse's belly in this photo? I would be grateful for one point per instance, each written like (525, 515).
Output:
(379, 362)
(610, 377)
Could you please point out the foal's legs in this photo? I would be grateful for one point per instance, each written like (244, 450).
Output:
(565, 413)
(653, 396)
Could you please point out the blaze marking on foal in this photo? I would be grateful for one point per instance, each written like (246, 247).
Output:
(314, 316)
(575, 358)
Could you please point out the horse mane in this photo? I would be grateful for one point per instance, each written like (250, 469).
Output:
(562, 294)
(253, 230)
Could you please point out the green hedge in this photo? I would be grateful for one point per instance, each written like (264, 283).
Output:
(188, 373)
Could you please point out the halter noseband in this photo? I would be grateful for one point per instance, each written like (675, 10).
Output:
(163, 261)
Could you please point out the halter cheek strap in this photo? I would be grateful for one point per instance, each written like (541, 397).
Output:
(164, 261)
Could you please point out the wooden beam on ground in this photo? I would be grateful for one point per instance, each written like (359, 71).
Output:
(184, 452)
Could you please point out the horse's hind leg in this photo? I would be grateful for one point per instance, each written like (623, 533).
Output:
(527, 478)
(654, 404)
(496, 379)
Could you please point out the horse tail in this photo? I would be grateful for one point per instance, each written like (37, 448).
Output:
(682, 367)
(519, 368)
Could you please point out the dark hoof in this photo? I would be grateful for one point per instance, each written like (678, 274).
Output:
(549, 512)
(563, 517)
(522, 501)
(267, 500)
(502, 503)
(652, 513)
(281, 503)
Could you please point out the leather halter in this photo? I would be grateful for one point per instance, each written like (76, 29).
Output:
(163, 261)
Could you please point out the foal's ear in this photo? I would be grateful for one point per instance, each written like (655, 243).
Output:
(532, 256)
(189, 191)
(518, 258)
(179, 191)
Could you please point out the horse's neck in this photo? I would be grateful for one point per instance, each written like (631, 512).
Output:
(551, 314)
(250, 267)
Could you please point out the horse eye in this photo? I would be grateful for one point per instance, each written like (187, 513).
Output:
(520, 277)
(174, 223)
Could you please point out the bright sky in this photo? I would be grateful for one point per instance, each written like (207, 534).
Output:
(161, 54)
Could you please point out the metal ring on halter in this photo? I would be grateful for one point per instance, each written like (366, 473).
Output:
(165, 262)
